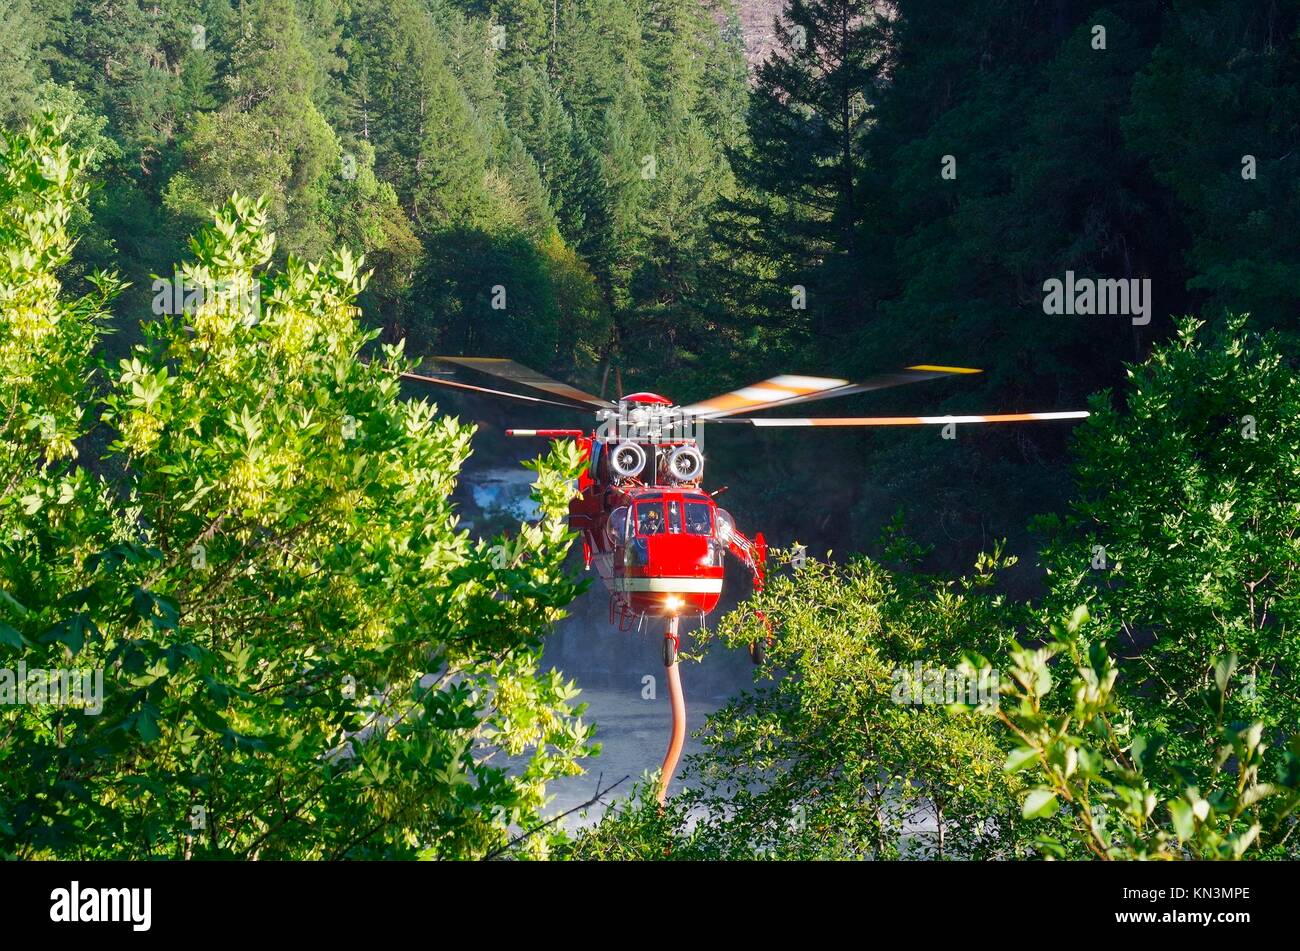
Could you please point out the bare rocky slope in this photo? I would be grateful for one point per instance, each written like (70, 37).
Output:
(756, 18)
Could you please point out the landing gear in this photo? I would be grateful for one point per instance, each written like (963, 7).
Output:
(678, 735)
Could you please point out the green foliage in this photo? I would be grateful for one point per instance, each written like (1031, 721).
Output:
(268, 139)
(394, 129)
(19, 36)
(1183, 533)
(804, 169)
(490, 293)
(46, 340)
(527, 39)
(827, 174)
(301, 655)
(1118, 792)
(1220, 88)
(419, 117)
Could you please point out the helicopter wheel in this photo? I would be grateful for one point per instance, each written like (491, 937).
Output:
(670, 651)
(758, 652)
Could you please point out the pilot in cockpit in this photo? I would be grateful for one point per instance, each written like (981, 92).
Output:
(697, 519)
(650, 520)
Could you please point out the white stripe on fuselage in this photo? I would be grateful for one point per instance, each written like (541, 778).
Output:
(668, 585)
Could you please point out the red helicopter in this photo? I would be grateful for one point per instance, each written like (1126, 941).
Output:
(657, 538)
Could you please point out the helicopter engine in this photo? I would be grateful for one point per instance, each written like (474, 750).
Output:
(627, 460)
(686, 464)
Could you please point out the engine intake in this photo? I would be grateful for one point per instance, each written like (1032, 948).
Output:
(686, 464)
(627, 460)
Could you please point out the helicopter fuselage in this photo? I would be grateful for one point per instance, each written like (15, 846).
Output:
(656, 538)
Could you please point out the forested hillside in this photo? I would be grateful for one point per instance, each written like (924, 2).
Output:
(459, 146)
(602, 189)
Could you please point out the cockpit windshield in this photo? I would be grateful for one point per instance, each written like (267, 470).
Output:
(674, 516)
(650, 518)
(698, 521)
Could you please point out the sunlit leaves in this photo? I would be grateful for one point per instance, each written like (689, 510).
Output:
(294, 634)
(1185, 489)
(1114, 791)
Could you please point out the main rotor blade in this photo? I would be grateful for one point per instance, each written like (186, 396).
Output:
(518, 373)
(903, 420)
(786, 390)
(488, 391)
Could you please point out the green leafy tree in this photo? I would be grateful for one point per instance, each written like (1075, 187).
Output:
(46, 340)
(488, 293)
(302, 657)
(599, 53)
(1107, 783)
(1183, 534)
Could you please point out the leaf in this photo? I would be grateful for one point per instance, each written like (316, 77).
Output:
(1223, 670)
(1138, 750)
(209, 718)
(13, 602)
(1200, 807)
(1244, 841)
(1255, 793)
(146, 724)
(159, 610)
(1039, 804)
(1180, 810)
(10, 636)
(71, 632)
(1019, 758)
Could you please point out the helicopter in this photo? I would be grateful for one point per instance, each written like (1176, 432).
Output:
(657, 538)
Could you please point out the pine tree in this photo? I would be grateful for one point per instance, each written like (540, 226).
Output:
(423, 126)
(538, 115)
(20, 35)
(526, 29)
(267, 138)
(805, 168)
(599, 54)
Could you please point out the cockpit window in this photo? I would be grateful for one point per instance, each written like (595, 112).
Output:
(617, 523)
(649, 518)
(698, 521)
